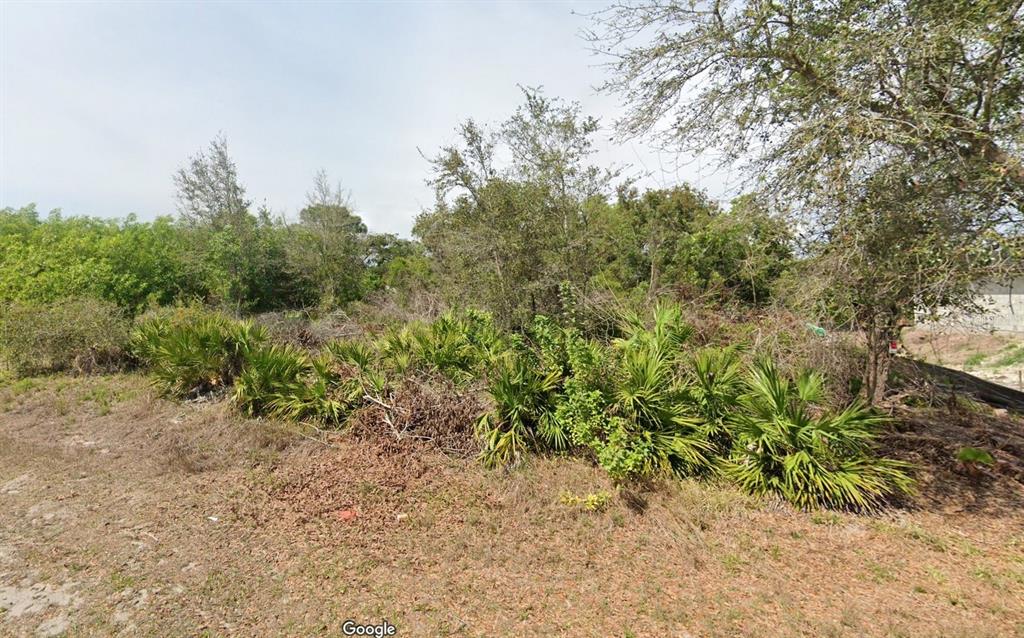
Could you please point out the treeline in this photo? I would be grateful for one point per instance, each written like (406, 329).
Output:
(523, 212)
(244, 261)
(513, 237)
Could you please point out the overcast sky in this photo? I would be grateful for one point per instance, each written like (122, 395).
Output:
(101, 102)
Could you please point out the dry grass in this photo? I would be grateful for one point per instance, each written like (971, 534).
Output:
(144, 517)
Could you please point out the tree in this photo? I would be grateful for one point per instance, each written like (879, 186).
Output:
(129, 263)
(903, 249)
(677, 239)
(397, 264)
(830, 103)
(814, 89)
(241, 256)
(327, 247)
(505, 235)
(208, 190)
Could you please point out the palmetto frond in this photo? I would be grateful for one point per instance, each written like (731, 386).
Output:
(783, 447)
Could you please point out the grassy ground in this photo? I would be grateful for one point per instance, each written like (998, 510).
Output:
(123, 514)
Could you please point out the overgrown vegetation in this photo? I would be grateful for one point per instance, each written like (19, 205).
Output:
(73, 334)
(195, 353)
(646, 406)
(650, 331)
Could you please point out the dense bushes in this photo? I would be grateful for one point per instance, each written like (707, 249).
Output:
(628, 408)
(785, 445)
(647, 405)
(523, 415)
(128, 263)
(74, 334)
(194, 352)
(255, 263)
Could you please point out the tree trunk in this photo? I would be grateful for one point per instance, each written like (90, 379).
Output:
(876, 375)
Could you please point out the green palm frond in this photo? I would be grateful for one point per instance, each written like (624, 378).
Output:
(525, 400)
(270, 372)
(786, 446)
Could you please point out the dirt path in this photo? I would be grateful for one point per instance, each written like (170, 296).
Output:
(121, 514)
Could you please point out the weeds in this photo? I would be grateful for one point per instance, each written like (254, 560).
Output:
(974, 360)
(593, 502)
(1014, 356)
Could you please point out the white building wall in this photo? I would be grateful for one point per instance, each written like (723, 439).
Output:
(1006, 304)
(1005, 309)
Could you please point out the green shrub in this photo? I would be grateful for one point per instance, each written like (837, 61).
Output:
(152, 327)
(459, 345)
(785, 445)
(524, 413)
(270, 373)
(326, 395)
(397, 348)
(370, 369)
(628, 404)
(125, 262)
(974, 456)
(714, 384)
(191, 353)
(79, 335)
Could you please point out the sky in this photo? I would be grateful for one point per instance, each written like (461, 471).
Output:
(101, 102)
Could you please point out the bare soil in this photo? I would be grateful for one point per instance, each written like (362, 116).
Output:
(987, 355)
(123, 514)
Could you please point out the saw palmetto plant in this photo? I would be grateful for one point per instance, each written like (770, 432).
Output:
(785, 444)
(197, 356)
(627, 404)
(270, 373)
(523, 418)
(714, 382)
(326, 395)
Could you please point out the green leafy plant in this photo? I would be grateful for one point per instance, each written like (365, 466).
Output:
(785, 444)
(593, 502)
(713, 386)
(524, 414)
(397, 348)
(628, 405)
(327, 395)
(270, 373)
(974, 456)
(460, 345)
(195, 355)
